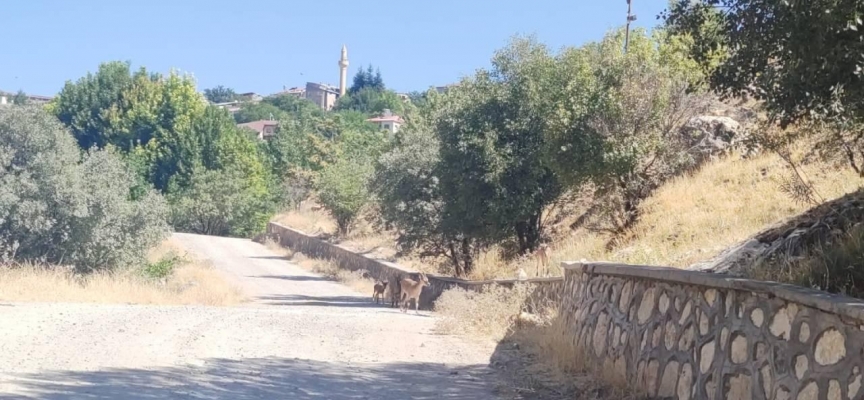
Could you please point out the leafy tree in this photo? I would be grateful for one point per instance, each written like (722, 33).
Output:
(343, 186)
(83, 106)
(220, 202)
(20, 98)
(406, 184)
(56, 208)
(257, 111)
(647, 101)
(343, 190)
(295, 107)
(371, 101)
(367, 79)
(220, 94)
(493, 175)
(800, 59)
(295, 148)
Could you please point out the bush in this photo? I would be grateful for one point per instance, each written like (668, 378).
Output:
(56, 208)
(162, 268)
(342, 190)
(220, 202)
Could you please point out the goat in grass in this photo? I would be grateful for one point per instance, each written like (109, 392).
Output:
(411, 289)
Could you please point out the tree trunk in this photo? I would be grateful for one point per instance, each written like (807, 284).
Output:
(454, 257)
(529, 232)
(467, 256)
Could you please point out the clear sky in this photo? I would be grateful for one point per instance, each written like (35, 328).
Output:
(261, 45)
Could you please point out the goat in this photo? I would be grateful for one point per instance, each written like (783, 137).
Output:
(411, 289)
(378, 292)
(542, 255)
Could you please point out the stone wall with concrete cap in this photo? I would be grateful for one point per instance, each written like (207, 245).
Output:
(543, 290)
(693, 335)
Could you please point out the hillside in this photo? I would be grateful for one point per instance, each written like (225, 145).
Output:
(691, 218)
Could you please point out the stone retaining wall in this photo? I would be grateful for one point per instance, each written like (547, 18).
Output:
(693, 335)
(545, 289)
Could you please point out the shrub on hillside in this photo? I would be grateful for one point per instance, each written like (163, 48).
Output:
(56, 207)
(220, 202)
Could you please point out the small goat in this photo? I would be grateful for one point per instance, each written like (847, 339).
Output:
(542, 255)
(378, 292)
(411, 289)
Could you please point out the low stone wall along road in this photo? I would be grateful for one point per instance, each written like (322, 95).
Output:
(300, 337)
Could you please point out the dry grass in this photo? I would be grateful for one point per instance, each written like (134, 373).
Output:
(356, 280)
(193, 282)
(550, 343)
(307, 218)
(690, 219)
(549, 358)
(695, 217)
(489, 313)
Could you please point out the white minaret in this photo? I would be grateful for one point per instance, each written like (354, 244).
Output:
(343, 71)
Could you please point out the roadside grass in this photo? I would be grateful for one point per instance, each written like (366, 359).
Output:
(548, 360)
(170, 278)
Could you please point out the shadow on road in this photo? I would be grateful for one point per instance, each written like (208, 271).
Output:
(319, 301)
(264, 378)
(269, 257)
(297, 278)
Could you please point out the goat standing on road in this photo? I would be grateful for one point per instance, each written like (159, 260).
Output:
(378, 292)
(411, 289)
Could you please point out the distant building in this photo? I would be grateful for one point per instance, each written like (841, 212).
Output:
(251, 96)
(231, 106)
(323, 95)
(7, 98)
(264, 128)
(387, 121)
(294, 91)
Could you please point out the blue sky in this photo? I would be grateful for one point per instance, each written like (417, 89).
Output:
(261, 45)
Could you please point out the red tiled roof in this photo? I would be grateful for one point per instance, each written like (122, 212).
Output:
(258, 126)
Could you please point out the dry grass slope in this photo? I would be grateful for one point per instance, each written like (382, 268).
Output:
(192, 282)
(689, 219)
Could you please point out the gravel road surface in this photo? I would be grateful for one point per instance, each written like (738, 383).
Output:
(300, 337)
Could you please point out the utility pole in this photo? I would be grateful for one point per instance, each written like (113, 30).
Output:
(630, 18)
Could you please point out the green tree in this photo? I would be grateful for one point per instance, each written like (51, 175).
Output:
(220, 94)
(649, 93)
(20, 98)
(57, 208)
(367, 79)
(371, 101)
(343, 190)
(259, 111)
(493, 175)
(82, 106)
(295, 107)
(220, 202)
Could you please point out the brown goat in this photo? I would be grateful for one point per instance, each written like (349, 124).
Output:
(378, 292)
(411, 289)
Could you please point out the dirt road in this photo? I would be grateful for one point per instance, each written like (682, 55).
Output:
(300, 337)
